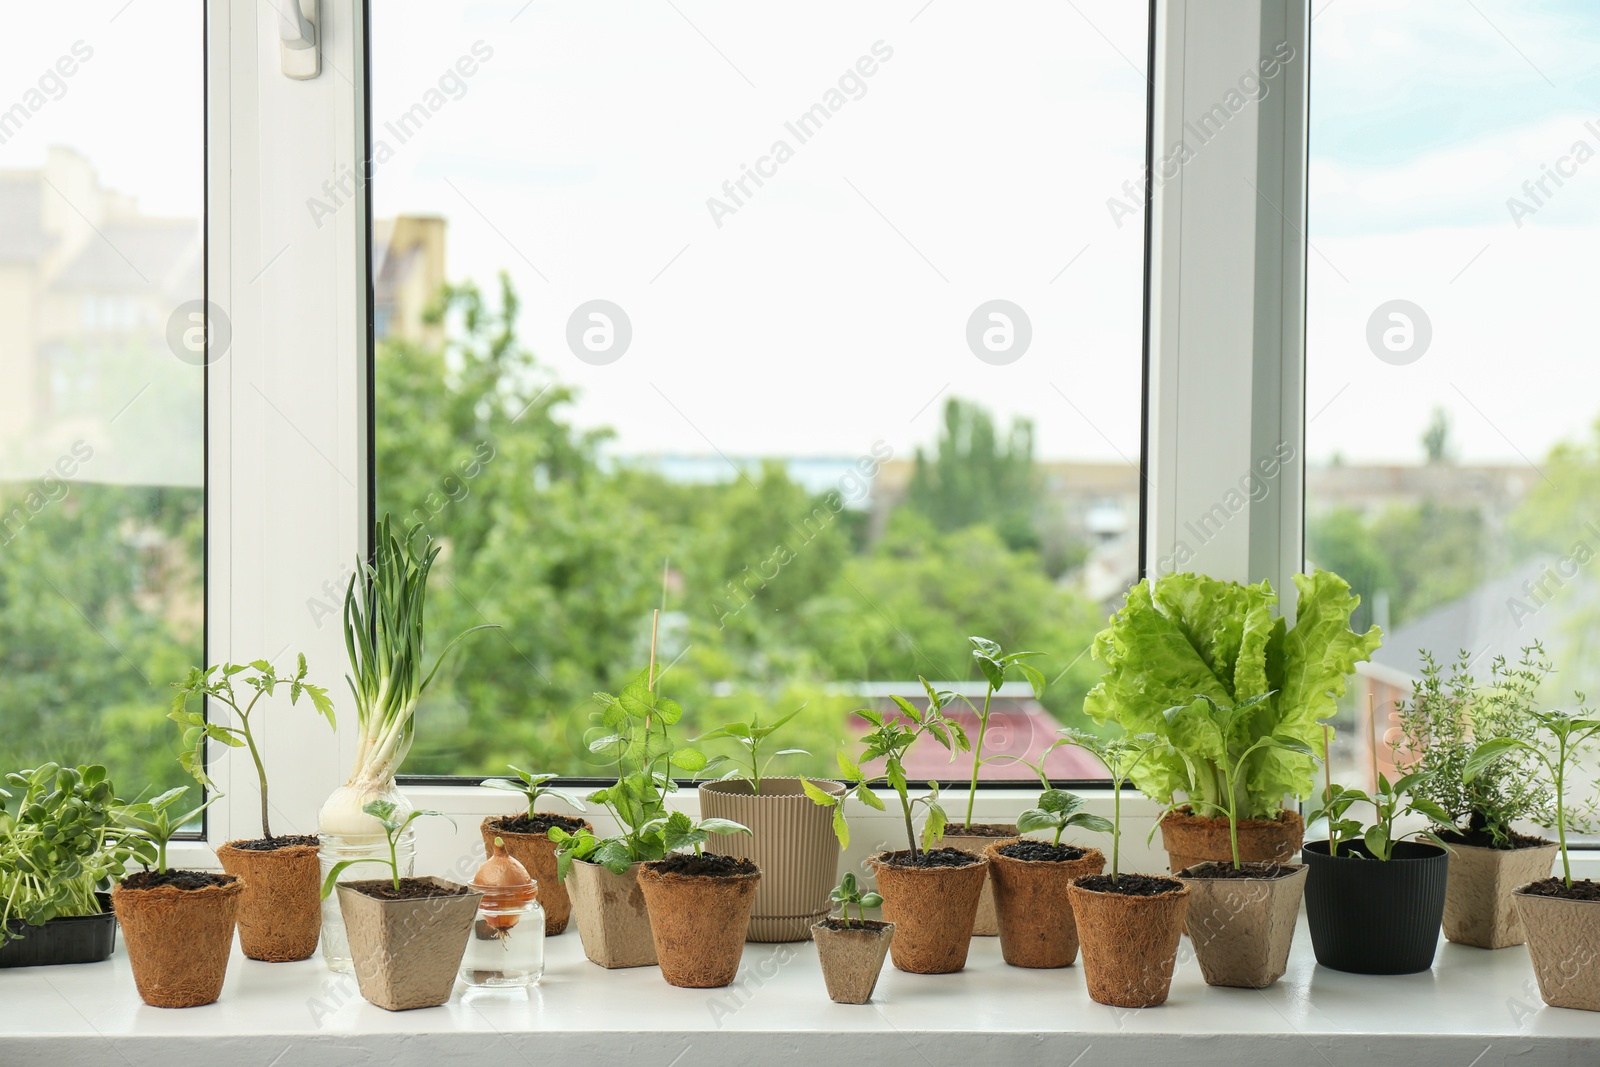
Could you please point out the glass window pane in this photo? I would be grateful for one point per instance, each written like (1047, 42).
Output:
(101, 418)
(1454, 465)
(819, 325)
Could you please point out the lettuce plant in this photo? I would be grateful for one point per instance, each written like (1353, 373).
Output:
(1185, 639)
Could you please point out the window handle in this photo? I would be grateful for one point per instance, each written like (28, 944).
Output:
(297, 39)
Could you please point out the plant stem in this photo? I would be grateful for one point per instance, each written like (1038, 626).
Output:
(1561, 811)
(977, 755)
(911, 834)
(394, 858)
(1116, 825)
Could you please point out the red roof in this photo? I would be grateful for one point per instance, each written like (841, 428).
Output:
(1017, 728)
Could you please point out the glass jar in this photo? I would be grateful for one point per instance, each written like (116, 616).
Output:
(335, 849)
(506, 948)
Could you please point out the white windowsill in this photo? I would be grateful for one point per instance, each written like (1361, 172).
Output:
(1475, 1007)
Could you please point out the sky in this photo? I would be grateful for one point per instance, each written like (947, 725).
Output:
(829, 308)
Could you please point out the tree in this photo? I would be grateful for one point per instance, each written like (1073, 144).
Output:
(1436, 438)
(974, 477)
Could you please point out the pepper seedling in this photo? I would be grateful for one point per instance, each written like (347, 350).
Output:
(677, 831)
(750, 736)
(532, 786)
(153, 819)
(383, 811)
(994, 662)
(1058, 810)
(1390, 801)
(848, 893)
(1122, 757)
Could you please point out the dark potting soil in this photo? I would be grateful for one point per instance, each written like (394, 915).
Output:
(1041, 852)
(536, 824)
(854, 924)
(708, 865)
(979, 829)
(939, 857)
(272, 844)
(1130, 885)
(1264, 871)
(410, 889)
(176, 879)
(1484, 839)
(1582, 889)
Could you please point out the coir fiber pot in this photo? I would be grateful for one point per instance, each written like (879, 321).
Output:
(64, 939)
(975, 839)
(1370, 916)
(609, 910)
(1478, 905)
(178, 940)
(932, 909)
(280, 913)
(1190, 839)
(536, 852)
(792, 843)
(1030, 896)
(406, 952)
(699, 920)
(1130, 943)
(1564, 944)
(852, 957)
(1242, 928)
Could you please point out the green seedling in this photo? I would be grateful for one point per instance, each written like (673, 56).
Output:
(156, 821)
(384, 812)
(848, 894)
(995, 663)
(1390, 802)
(1058, 810)
(750, 737)
(532, 787)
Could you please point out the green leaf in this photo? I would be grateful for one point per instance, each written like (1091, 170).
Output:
(841, 829)
(1036, 819)
(668, 711)
(817, 794)
(868, 797)
(848, 767)
(1094, 823)
(933, 829)
(688, 759)
(992, 671)
(1487, 753)
(1060, 801)
(1035, 679)
(723, 826)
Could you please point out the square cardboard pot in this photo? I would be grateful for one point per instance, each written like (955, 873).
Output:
(613, 921)
(1478, 909)
(1564, 943)
(791, 841)
(406, 952)
(852, 958)
(1242, 928)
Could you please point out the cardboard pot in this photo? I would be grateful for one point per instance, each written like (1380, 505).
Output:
(987, 922)
(793, 844)
(537, 853)
(609, 910)
(1035, 916)
(932, 909)
(280, 913)
(1371, 916)
(1478, 906)
(699, 923)
(1242, 927)
(406, 952)
(178, 940)
(852, 958)
(1564, 944)
(1190, 839)
(1130, 944)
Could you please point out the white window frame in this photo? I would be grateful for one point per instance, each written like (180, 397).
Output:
(289, 472)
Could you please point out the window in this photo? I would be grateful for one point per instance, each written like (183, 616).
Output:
(1453, 458)
(820, 332)
(102, 414)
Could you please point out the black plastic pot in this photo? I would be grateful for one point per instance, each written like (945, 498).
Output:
(73, 939)
(1372, 916)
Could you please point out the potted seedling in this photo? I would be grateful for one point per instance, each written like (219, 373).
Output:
(407, 935)
(929, 893)
(177, 925)
(699, 902)
(1561, 916)
(527, 839)
(791, 842)
(279, 913)
(602, 873)
(1128, 924)
(974, 837)
(1031, 880)
(1242, 915)
(852, 950)
(61, 843)
(1183, 636)
(383, 634)
(1373, 900)
(1439, 728)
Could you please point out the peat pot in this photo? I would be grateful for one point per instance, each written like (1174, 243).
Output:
(1242, 928)
(852, 956)
(1478, 905)
(1190, 839)
(699, 914)
(178, 938)
(609, 910)
(1030, 896)
(280, 913)
(975, 839)
(1130, 940)
(932, 907)
(406, 951)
